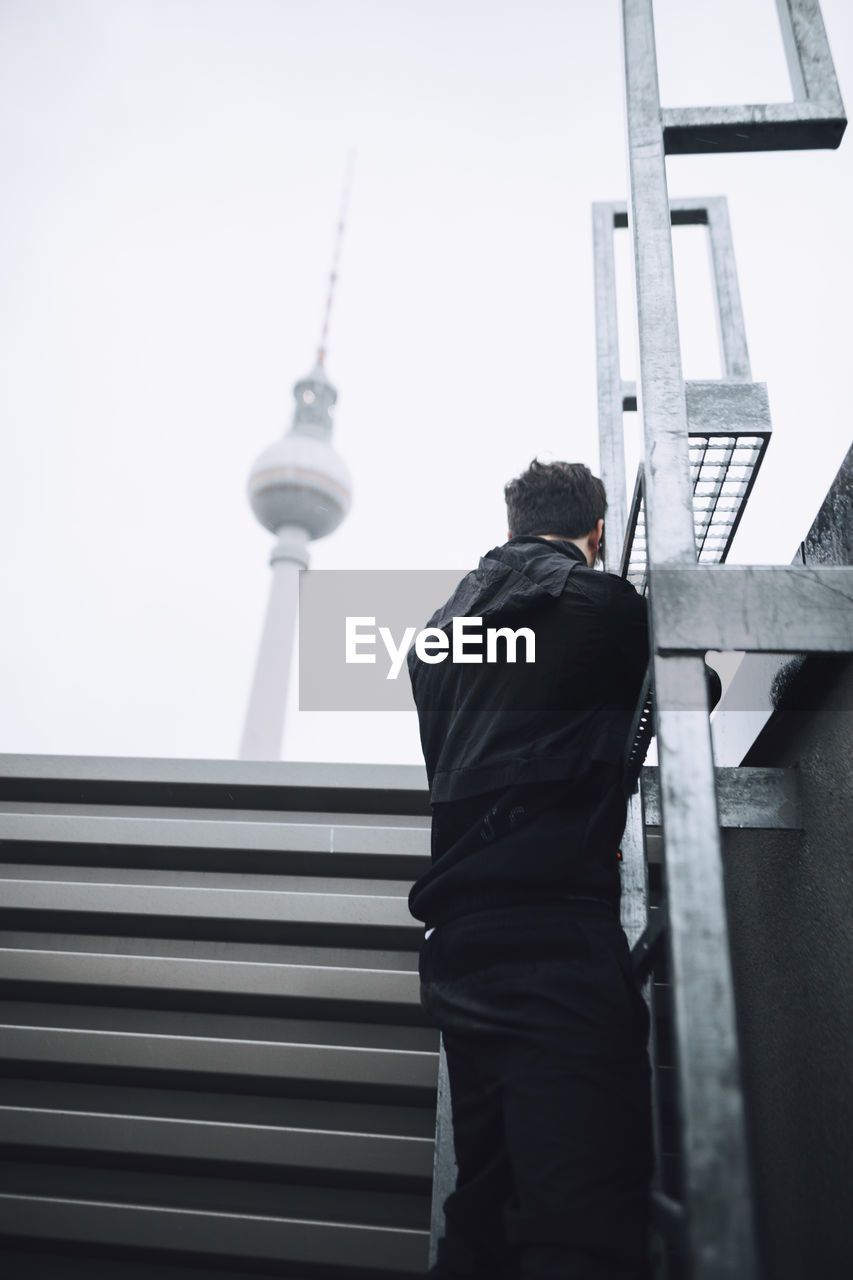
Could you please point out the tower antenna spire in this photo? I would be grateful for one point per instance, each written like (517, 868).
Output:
(336, 257)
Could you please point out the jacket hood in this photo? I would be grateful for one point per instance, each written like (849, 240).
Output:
(511, 579)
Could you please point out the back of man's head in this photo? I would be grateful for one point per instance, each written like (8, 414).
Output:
(562, 498)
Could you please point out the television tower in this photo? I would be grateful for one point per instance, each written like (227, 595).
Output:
(299, 489)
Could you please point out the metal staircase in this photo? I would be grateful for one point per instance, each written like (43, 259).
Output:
(213, 1055)
(703, 445)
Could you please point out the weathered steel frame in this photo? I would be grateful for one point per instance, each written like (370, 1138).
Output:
(718, 1235)
(767, 799)
(815, 118)
(756, 798)
(726, 409)
(762, 609)
(636, 921)
(718, 1202)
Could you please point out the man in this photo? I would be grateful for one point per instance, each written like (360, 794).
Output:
(525, 967)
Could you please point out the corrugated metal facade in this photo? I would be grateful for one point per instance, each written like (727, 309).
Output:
(214, 1059)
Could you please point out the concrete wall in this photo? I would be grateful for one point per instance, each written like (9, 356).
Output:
(790, 900)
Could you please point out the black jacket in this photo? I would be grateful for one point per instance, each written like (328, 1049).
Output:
(489, 725)
(524, 761)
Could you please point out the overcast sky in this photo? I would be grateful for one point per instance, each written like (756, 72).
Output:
(172, 174)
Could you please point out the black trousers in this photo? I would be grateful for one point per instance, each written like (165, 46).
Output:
(545, 1033)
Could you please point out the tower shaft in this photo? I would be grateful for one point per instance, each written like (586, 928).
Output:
(264, 725)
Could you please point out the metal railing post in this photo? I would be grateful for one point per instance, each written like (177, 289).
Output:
(720, 1237)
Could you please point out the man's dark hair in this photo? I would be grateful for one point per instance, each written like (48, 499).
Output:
(555, 497)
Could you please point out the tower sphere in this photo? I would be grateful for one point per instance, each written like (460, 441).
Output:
(300, 481)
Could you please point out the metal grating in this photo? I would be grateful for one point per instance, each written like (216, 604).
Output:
(723, 469)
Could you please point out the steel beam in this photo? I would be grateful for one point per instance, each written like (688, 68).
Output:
(776, 126)
(731, 330)
(713, 1138)
(610, 387)
(709, 211)
(637, 921)
(762, 609)
(727, 408)
(814, 119)
(765, 799)
(634, 899)
(668, 490)
(717, 1184)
